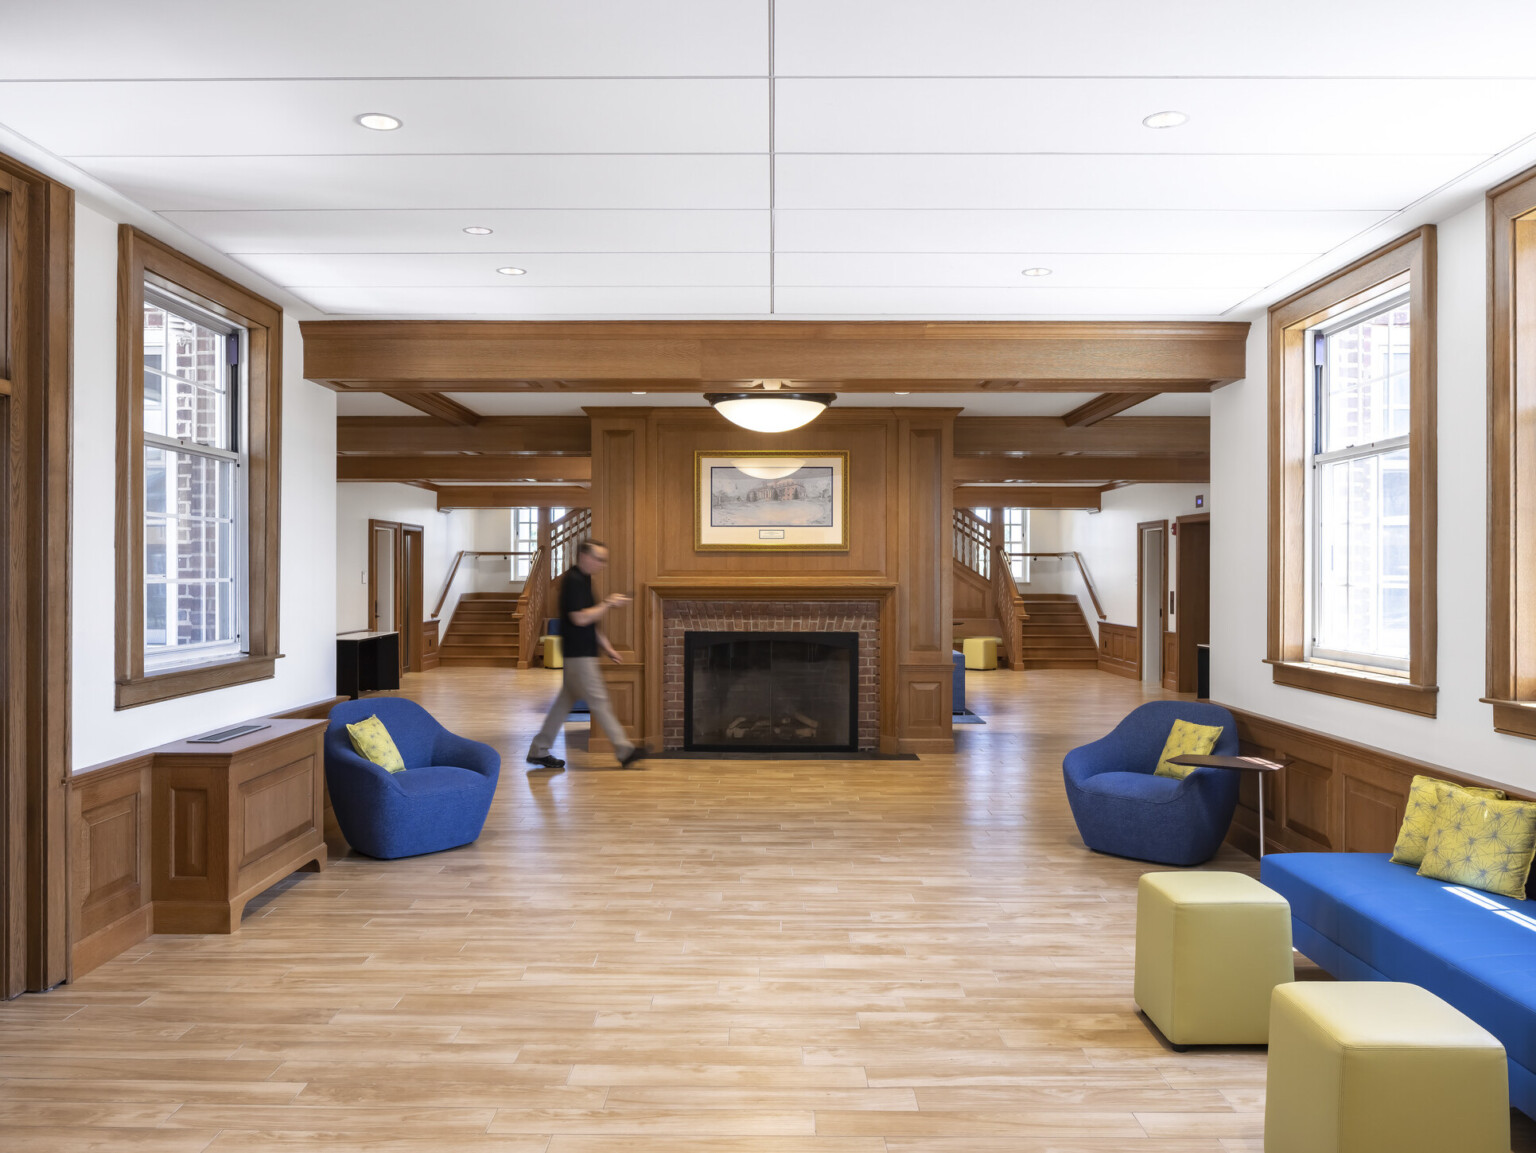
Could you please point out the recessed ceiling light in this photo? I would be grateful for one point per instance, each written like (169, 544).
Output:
(379, 121)
(1037, 272)
(478, 230)
(903, 394)
(510, 271)
(1169, 119)
(639, 393)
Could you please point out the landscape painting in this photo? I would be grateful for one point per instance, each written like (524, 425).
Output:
(770, 500)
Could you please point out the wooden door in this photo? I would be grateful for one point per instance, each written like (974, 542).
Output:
(1193, 600)
(410, 583)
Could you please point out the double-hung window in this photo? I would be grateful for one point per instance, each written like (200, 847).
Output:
(199, 422)
(1016, 541)
(1359, 482)
(194, 474)
(525, 542)
(1352, 481)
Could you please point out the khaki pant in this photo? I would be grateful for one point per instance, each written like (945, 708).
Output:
(583, 681)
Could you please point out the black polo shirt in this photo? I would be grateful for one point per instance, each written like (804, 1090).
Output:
(576, 594)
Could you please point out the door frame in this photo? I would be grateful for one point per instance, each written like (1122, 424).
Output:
(1142, 528)
(36, 323)
(408, 580)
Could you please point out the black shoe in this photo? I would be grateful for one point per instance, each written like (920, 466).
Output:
(547, 762)
(635, 754)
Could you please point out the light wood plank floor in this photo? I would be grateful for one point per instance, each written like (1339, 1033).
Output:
(859, 957)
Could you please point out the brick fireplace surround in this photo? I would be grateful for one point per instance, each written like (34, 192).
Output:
(797, 616)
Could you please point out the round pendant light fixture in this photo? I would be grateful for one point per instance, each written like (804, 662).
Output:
(759, 468)
(773, 409)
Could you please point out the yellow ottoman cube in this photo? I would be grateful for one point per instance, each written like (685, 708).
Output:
(981, 652)
(1381, 1067)
(553, 658)
(1210, 948)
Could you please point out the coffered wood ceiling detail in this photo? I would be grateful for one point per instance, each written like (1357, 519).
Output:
(686, 356)
(1101, 407)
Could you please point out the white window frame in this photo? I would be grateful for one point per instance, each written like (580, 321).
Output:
(519, 562)
(1317, 461)
(163, 658)
(1019, 565)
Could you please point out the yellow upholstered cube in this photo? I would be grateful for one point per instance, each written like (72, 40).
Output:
(981, 652)
(1380, 1067)
(1210, 947)
(553, 658)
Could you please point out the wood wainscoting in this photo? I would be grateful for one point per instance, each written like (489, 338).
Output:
(1335, 796)
(177, 839)
(429, 654)
(1120, 650)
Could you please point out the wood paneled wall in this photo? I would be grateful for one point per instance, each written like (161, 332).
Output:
(899, 487)
(1335, 796)
(1120, 650)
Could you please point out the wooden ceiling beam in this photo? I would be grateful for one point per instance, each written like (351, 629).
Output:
(452, 496)
(486, 469)
(492, 434)
(1101, 408)
(1123, 356)
(1027, 496)
(444, 408)
(1171, 435)
(1107, 469)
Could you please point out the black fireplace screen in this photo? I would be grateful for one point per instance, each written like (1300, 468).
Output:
(762, 692)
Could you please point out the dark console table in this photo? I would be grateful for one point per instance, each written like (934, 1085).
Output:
(366, 661)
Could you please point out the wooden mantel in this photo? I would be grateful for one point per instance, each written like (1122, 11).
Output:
(404, 356)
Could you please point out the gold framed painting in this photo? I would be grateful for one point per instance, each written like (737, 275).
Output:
(791, 501)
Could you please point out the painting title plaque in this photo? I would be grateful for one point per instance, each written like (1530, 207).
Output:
(771, 500)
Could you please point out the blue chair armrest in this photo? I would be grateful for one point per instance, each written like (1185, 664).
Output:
(1116, 752)
(461, 752)
(356, 773)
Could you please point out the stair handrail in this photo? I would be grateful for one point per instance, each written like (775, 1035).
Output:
(1082, 567)
(565, 535)
(973, 542)
(1010, 607)
(453, 571)
(530, 606)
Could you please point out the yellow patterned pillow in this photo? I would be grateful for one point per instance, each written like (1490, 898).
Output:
(1425, 795)
(1484, 843)
(1186, 738)
(372, 740)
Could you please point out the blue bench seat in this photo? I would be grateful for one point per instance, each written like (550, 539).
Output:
(1362, 918)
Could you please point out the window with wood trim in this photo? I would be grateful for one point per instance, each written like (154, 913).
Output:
(199, 400)
(1352, 481)
(1512, 456)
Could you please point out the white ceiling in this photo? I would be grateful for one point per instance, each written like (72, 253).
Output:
(698, 158)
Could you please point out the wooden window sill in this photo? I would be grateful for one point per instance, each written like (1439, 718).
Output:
(1368, 688)
(1516, 718)
(198, 679)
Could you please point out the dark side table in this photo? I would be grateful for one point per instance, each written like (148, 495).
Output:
(1241, 764)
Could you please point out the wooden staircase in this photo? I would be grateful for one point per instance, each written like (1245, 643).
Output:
(1056, 636)
(485, 632)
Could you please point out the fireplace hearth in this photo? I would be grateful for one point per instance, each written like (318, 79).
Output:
(770, 691)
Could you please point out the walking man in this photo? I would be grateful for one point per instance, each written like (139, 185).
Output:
(580, 642)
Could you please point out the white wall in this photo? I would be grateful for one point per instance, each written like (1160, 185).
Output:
(307, 671)
(1462, 736)
(1108, 542)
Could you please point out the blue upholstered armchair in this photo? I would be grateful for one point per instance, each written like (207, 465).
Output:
(1121, 808)
(439, 802)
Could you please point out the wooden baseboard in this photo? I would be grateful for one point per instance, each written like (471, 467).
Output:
(104, 944)
(1334, 796)
(1119, 668)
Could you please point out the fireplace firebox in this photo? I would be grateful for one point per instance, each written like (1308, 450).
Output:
(770, 692)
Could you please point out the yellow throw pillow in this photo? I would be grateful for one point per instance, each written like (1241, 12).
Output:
(1483, 843)
(1186, 738)
(372, 740)
(1425, 795)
